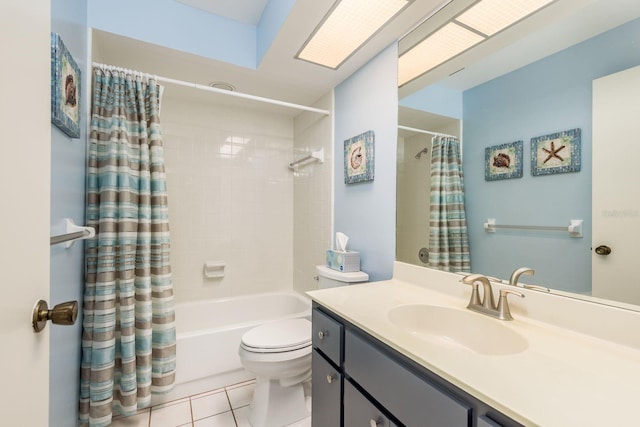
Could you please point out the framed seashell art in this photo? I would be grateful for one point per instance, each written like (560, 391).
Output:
(359, 160)
(65, 89)
(556, 153)
(503, 161)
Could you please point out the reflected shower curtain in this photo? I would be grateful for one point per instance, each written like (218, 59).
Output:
(448, 239)
(129, 338)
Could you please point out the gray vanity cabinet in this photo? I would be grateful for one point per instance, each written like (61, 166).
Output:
(411, 399)
(359, 381)
(360, 411)
(326, 381)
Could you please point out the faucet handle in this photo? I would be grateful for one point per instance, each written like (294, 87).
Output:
(503, 306)
(475, 295)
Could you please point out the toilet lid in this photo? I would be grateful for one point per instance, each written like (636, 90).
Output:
(282, 335)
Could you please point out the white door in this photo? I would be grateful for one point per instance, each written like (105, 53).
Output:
(25, 134)
(616, 186)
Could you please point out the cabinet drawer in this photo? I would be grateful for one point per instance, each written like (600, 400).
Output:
(358, 411)
(410, 399)
(326, 389)
(327, 336)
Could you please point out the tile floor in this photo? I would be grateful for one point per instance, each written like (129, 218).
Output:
(224, 407)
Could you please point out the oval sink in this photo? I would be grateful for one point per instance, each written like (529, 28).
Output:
(457, 328)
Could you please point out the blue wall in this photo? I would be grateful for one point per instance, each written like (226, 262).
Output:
(68, 160)
(551, 95)
(365, 211)
(273, 17)
(174, 25)
(177, 26)
(436, 99)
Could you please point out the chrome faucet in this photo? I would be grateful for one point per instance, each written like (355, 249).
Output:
(486, 304)
(515, 276)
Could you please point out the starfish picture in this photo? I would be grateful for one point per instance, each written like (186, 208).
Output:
(553, 152)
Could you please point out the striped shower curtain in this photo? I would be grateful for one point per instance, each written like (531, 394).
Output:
(129, 338)
(448, 239)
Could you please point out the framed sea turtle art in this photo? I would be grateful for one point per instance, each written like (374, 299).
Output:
(556, 153)
(503, 161)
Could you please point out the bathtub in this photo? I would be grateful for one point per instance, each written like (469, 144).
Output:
(209, 332)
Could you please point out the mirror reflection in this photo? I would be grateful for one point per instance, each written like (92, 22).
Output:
(557, 71)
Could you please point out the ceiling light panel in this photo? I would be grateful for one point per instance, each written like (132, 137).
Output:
(444, 44)
(492, 16)
(348, 26)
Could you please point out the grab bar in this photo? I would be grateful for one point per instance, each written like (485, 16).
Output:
(73, 233)
(574, 229)
(315, 155)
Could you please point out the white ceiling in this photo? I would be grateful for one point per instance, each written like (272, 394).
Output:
(282, 77)
(245, 11)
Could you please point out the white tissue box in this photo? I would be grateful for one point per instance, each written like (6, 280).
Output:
(346, 262)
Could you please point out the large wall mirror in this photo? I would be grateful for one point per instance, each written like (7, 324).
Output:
(568, 66)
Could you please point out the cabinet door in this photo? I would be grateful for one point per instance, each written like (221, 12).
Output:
(487, 422)
(358, 411)
(327, 336)
(326, 389)
(414, 401)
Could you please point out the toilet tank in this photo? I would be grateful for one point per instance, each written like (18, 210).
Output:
(328, 278)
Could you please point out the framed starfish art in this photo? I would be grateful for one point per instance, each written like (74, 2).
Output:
(556, 153)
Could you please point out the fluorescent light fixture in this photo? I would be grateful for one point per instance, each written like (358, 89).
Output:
(444, 44)
(347, 26)
(492, 16)
(477, 23)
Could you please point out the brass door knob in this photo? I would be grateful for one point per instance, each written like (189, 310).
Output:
(603, 250)
(64, 313)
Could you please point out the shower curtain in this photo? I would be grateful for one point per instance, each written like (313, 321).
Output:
(129, 338)
(448, 239)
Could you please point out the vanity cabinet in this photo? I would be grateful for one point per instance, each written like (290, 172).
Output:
(359, 381)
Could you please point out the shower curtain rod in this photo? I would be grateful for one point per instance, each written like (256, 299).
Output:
(229, 93)
(426, 131)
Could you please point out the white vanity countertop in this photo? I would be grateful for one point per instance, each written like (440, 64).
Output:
(563, 378)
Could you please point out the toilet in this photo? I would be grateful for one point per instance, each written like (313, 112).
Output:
(279, 355)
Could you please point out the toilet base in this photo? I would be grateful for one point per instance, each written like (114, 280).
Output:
(275, 406)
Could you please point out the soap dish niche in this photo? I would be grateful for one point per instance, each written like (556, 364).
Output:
(214, 269)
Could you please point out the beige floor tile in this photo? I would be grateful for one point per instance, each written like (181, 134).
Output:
(221, 420)
(242, 416)
(302, 423)
(171, 415)
(203, 406)
(241, 395)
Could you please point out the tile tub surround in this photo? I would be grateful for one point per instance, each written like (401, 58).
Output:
(312, 195)
(579, 355)
(230, 197)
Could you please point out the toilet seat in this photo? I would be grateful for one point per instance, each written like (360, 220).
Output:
(278, 337)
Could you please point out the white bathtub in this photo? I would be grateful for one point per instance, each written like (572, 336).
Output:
(209, 332)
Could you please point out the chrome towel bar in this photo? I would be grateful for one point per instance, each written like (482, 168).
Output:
(574, 229)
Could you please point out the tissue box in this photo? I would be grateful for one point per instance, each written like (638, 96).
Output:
(343, 261)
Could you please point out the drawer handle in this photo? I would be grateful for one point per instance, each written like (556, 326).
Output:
(330, 378)
(374, 423)
(323, 334)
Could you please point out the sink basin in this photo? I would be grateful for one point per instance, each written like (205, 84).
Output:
(457, 328)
